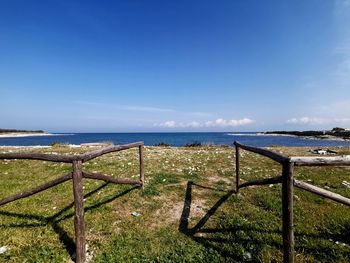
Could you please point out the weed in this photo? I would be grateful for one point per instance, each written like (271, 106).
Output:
(193, 144)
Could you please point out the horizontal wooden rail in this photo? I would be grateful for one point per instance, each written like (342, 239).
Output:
(113, 148)
(69, 158)
(41, 156)
(321, 161)
(109, 179)
(288, 184)
(272, 155)
(273, 180)
(322, 192)
(77, 175)
(37, 189)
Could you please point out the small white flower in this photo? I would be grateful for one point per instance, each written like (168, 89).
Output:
(3, 249)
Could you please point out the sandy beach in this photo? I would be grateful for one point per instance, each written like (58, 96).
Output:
(19, 134)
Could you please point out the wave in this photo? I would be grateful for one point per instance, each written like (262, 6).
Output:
(242, 134)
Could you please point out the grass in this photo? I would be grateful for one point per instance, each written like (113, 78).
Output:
(189, 212)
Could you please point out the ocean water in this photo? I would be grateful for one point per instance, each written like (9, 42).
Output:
(174, 139)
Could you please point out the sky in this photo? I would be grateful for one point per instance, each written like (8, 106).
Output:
(185, 65)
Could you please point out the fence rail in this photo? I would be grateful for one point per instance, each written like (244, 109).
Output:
(76, 176)
(288, 184)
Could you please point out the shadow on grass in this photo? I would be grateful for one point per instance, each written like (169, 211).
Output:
(55, 219)
(238, 240)
(228, 239)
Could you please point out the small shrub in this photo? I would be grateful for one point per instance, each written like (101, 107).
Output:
(162, 144)
(193, 144)
(57, 144)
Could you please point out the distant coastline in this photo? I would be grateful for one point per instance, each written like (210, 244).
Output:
(334, 134)
(172, 139)
(27, 134)
(8, 133)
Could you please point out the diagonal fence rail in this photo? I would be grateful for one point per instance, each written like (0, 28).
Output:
(288, 184)
(76, 176)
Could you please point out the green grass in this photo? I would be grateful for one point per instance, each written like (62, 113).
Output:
(188, 210)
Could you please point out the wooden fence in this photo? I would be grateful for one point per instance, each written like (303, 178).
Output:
(288, 184)
(76, 175)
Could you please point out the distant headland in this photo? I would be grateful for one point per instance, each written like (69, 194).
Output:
(335, 133)
(21, 133)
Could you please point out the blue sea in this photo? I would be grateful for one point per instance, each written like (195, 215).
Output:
(174, 139)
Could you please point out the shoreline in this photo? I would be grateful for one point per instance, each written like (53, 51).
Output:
(311, 137)
(29, 134)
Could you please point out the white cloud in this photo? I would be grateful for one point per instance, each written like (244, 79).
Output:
(228, 123)
(168, 124)
(319, 121)
(342, 3)
(222, 123)
(305, 120)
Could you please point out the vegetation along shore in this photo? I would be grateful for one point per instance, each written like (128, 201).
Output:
(21, 133)
(337, 133)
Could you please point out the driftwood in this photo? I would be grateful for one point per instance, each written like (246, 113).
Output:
(113, 148)
(79, 224)
(280, 158)
(237, 169)
(36, 190)
(142, 166)
(76, 177)
(41, 156)
(287, 212)
(321, 161)
(288, 184)
(322, 192)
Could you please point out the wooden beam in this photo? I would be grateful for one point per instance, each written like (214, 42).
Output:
(322, 192)
(142, 166)
(113, 148)
(109, 179)
(41, 156)
(321, 161)
(237, 169)
(36, 190)
(271, 154)
(79, 224)
(273, 180)
(287, 212)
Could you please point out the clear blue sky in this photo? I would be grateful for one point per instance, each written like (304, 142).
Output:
(114, 66)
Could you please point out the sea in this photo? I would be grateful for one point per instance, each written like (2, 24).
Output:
(174, 139)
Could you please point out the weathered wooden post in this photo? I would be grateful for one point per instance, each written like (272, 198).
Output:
(287, 210)
(237, 169)
(142, 166)
(79, 225)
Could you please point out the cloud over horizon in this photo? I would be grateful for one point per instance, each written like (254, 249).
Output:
(218, 123)
(318, 121)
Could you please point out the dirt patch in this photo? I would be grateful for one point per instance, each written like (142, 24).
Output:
(215, 179)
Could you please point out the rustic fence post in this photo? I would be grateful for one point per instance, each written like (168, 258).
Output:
(79, 225)
(237, 169)
(287, 211)
(142, 166)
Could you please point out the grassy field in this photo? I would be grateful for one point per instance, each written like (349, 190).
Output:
(188, 209)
